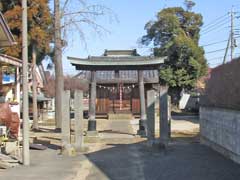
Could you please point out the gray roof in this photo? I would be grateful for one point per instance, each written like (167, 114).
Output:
(125, 63)
(117, 62)
(131, 52)
(4, 59)
(108, 77)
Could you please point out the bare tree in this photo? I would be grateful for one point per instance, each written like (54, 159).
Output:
(70, 16)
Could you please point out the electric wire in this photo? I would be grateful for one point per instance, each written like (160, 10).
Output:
(215, 20)
(216, 24)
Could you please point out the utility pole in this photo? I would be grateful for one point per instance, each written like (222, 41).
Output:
(232, 34)
(226, 51)
(26, 153)
(59, 79)
(231, 39)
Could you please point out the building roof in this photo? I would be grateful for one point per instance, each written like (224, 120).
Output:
(126, 77)
(6, 37)
(118, 66)
(4, 59)
(117, 62)
(132, 52)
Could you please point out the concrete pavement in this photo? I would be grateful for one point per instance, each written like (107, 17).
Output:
(122, 156)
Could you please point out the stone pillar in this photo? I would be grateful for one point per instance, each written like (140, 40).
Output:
(66, 144)
(17, 96)
(79, 123)
(142, 122)
(17, 89)
(151, 117)
(169, 116)
(92, 125)
(164, 124)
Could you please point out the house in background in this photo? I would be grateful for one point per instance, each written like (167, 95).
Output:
(9, 70)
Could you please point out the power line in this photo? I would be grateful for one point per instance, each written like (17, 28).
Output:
(218, 42)
(215, 51)
(217, 19)
(215, 27)
(215, 64)
(216, 23)
(215, 58)
(218, 28)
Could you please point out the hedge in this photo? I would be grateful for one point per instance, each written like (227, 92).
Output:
(223, 86)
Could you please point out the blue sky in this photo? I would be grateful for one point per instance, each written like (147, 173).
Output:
(133, 15)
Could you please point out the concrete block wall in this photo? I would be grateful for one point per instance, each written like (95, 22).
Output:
(220, 129)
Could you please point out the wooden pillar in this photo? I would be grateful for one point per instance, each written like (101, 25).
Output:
(142, 122)
(17, 89)
(92, 125)
(79, 123)
(66, 121)
(164, 115)
(151, 116)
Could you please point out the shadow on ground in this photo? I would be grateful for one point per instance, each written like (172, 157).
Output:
(192, 119)
(180, 161)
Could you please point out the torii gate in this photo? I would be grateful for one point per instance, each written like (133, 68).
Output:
(112, 63)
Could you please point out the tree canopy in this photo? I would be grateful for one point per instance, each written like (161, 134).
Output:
(39, 26)
(175, 34)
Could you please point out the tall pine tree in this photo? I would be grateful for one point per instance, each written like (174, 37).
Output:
(39, 26)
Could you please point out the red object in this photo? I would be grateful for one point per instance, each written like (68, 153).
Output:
(10, 119)
(5, 114)
(14, 126)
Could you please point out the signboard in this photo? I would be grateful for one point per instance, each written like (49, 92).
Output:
(8, 75)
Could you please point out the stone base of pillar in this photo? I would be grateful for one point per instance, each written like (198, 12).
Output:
(68, 150)
(81, 149)
(150, 143)
(57, 130)
(92, 134)
(142, 128)
(92, 125)
(156, 144)
(163, 142)
(92, 129)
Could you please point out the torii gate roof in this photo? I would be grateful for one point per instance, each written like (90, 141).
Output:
(99, 63)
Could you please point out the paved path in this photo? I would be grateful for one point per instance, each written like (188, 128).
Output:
(122, 156)
(181, 161)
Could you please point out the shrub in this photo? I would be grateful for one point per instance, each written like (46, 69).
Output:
(223, 87)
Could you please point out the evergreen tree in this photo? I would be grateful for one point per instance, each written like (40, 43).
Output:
(175, 34)
(39, 27)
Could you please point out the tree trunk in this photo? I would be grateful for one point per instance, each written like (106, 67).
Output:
(59, 82)
(34, 89)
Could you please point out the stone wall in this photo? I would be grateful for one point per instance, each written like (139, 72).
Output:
(220, 129)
